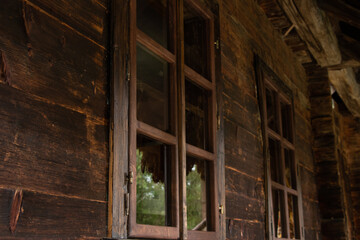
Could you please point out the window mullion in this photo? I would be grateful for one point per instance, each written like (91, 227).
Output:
(181, 118)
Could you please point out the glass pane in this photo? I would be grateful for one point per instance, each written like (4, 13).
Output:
(197, 194)
(152, 18)
(196, 39)
(293, 217)
(197, 125)
(286, 121)
(275, 163)
(272, 120)
(152, 89)
(290, 171)
(279, 213)
(153, 183)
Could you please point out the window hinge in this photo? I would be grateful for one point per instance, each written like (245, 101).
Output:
(221, 209)
(128, 76)
(217, 44)
(130, 177)
(218, 121)
(127, 199)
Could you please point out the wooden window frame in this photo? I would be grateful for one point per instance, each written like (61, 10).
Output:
(125, 126)
(267, 79)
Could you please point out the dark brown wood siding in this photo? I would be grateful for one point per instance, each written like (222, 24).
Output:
(246, 31)
(54, 117)
(54, 111)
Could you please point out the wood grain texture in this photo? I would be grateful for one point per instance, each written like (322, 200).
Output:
(84, 16)
(53, 62)
(41, 215)
(15, 209)
(119, 132)
(48, 148)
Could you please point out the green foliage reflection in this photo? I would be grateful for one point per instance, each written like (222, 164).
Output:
(150, 196)
(193, 198)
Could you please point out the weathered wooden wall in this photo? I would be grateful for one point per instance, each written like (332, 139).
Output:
(335, 147)
(350, 141)
(53, 118)
(245, 30)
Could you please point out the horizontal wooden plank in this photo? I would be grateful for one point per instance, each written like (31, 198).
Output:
(50, 148)
(237, 182)
(240, 207)
(329, 202)
(311, 215)
(308, 184)
(243, 151)
(52, 62)
(46, 216)
(321, 106)
(242, 229)
(85, 16)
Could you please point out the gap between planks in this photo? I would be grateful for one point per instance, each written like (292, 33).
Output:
(51, 194)
(94, 119)
(62, 23)
(245, 174)
(258, 200)
(100, 4)
(244, 220)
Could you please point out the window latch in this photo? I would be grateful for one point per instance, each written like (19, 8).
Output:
(217, 44)
(130, 177)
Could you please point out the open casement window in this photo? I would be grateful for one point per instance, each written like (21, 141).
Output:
(172, 112)
(283, 186)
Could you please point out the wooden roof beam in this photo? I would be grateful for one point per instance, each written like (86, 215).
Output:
(342, 11)
(344, 81)
(315, 29)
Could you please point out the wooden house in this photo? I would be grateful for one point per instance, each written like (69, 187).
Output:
(180, 119)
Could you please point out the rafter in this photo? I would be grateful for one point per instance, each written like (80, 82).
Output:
(342, 11)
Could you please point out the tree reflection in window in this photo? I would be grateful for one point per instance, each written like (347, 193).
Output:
(150, 196)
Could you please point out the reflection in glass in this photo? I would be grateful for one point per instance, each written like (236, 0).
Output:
(197, 174)
(153, 183)
(196, 41)
(286, 121)
(197, 128)
(152, 19)
(152, 89)
(276, 169)
(293, 217)
(271, 109)
(279, 213)
(290, 171)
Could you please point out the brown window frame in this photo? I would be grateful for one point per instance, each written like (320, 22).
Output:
(267, 79)
(123, 199)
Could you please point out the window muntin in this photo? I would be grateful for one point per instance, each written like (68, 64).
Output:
(154, 121)
(282, 170)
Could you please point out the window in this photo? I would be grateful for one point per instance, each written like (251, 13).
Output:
(172, 112)
(283, 195)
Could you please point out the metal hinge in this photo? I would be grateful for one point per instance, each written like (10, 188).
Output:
(217, 44)
(127, 199)
(221, 209)
(218, 121)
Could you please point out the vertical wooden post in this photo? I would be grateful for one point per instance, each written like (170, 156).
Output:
(118, 165)
(181, 118)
